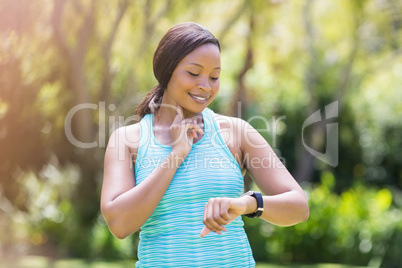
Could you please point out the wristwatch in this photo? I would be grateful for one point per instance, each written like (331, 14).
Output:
(260, 204)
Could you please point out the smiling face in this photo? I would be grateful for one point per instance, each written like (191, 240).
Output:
(195, 81)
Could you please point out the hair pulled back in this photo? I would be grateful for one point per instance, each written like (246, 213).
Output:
(177, 43)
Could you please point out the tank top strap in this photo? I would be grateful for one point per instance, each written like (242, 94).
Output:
(217, 140)
(207, 117)
(145, 138)
(211, 128)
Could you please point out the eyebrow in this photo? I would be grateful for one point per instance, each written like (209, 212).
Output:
(199, 65)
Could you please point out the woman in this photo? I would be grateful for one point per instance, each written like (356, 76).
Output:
(187, 177)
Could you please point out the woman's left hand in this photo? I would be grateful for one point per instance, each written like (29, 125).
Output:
(220, 211)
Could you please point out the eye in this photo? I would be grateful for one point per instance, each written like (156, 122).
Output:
(193, 74)
(214, 78)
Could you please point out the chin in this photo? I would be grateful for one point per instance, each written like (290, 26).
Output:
(194, 110)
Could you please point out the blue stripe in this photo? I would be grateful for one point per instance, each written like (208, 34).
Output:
(171, 236)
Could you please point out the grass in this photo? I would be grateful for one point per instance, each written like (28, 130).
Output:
(43, 262)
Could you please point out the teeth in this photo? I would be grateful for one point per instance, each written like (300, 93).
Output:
(199, 98)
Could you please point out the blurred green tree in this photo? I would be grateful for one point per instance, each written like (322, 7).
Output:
(282, 61)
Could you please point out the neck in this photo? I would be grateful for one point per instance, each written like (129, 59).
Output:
(168, 111)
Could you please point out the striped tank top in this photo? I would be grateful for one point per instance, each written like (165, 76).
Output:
(171, 235)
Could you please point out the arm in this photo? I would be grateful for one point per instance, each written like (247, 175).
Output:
(284, 202)
(124, 205)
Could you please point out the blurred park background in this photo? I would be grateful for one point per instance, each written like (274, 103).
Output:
(282, 60)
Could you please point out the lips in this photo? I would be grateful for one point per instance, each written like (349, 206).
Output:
(200, 98)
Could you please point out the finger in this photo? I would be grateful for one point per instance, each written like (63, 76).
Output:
(224, 212)
(206, 214)
(197, 128)
(221, 212)
(204, 231)
(210, 218)
(193, 131)
(192, 128)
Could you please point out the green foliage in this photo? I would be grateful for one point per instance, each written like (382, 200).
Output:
(305, 54)
(355, 227)
(51, 225)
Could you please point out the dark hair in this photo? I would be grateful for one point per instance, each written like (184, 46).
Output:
(177, 43)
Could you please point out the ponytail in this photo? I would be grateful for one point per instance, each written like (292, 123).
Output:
(151, 102)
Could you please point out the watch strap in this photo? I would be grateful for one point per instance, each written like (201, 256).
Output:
(260, 204)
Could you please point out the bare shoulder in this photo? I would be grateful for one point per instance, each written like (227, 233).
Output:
(239, 133)
(232, 129)
(126, 137)
(237, 127)
(229, 123)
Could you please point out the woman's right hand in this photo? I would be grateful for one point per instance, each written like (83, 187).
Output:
(183, 131)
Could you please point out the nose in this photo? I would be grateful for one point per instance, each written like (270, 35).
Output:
(204, 85)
